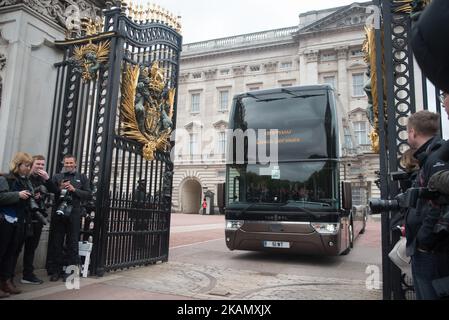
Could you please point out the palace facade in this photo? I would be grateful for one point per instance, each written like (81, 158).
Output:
(324, 48)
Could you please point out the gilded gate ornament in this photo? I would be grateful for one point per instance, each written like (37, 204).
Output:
(147, 108)
(369, 48)
(89, 58)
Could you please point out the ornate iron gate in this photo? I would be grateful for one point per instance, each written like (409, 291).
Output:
(397, 93)
(114, 109)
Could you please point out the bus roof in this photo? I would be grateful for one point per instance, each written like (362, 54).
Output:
(286, 90)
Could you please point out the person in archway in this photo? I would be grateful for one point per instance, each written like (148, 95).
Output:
(138, 214)
(204, 205)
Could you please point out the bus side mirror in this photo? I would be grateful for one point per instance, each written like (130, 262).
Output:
(221, 197)
(346, 195)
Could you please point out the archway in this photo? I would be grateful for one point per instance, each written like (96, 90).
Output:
(191, 197)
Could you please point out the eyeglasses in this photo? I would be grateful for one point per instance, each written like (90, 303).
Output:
(442, 97)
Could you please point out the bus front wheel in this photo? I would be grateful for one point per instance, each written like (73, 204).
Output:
(351, 235)
(351, 240)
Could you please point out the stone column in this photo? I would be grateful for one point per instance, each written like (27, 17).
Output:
(28, 30)
(302, 69)
(29, 83)
(311, 67)
(343, 83)
(239, 77)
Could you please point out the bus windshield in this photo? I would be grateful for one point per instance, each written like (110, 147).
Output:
(304, 120)
(311, 185)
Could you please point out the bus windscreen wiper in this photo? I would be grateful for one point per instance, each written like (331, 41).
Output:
(252, 96)
(283, 98)
(252, 205)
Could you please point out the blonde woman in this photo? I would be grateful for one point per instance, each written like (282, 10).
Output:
(14, 199)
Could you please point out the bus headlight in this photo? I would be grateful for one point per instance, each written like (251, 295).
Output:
(234, 224)
(326, 228)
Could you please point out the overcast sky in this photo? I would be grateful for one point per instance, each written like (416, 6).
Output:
(212, 19)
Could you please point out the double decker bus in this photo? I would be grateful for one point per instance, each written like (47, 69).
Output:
(298, 203)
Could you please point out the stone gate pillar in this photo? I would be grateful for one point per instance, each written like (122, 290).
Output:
(28, 30)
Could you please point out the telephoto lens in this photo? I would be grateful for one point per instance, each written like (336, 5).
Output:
(379, 205)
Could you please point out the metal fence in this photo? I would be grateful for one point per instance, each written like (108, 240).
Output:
(87, 122)
(404, 90)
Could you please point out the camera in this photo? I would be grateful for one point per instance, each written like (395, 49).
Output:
(408, 199)
(38, 208)
(65, 207)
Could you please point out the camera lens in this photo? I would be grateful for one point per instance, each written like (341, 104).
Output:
(379, 205)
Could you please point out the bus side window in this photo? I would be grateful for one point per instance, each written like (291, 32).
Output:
(236, 188)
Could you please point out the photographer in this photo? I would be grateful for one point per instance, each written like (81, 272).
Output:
(73, 187)
(411, 167)
(41, 184)
(14, 211)
(423, 128)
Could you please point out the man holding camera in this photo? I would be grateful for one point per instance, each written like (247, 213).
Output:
(41, 184)
(74, 188)
(423, 128)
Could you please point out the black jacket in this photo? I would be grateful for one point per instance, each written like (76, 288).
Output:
(440, 182)
(37, 181)
(83, 190)
(420, 222)
(429, 43)
(15, 184)
(7, 197)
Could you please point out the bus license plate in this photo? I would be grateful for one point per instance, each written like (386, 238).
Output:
(276, 244)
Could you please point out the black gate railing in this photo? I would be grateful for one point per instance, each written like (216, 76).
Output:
(397, 90)
(130, 221)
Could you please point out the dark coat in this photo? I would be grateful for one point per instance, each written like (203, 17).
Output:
(429, 40)
(440, 182)
(37, 181)
(420, 221)
(83, 190)
(21, 207)
(7, 197)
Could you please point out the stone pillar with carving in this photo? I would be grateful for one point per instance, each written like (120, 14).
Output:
(239, 76)
(343, 83)
(311, 68)
(302, 69)
(28, 30)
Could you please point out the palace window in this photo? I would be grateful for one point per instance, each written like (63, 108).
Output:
(357, 85)
(193, 144)
(195, 106)
(348, 138)
(361, 132)
(330, 80)
(357, 53)
(222, 143)
(224, 100)
(286, 65)
(330, 56)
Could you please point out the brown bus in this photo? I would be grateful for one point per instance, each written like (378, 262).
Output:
(298, 203)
